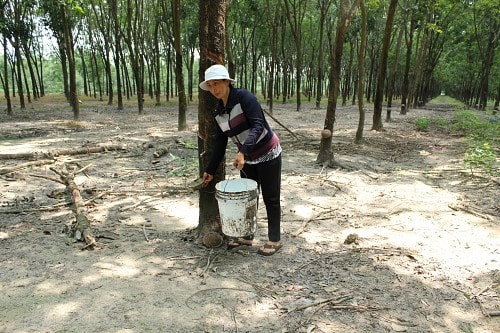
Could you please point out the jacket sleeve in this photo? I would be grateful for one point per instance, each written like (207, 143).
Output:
(255, 117)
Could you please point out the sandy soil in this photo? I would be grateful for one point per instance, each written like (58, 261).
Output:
(424, 255)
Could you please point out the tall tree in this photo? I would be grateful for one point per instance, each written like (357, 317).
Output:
(212, 50)
(69, 47)
(486, 24)
(17, 33)
(379, 95)
(391, 80)
(176, 11)
(295, 11)
(117, 52)
(409, 15)
(190, 32)
(324, 7)
(272, 16)
(52, 20)
(5, 81)
(102, 41)
(346, 10)
(361, 73)
(134, 38)
(5, 32)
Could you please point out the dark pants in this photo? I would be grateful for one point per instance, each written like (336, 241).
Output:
(268, 176)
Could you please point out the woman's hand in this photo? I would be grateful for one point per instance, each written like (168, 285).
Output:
(207, 178)
(239, 161)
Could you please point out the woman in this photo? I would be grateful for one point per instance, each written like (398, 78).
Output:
(240, 117)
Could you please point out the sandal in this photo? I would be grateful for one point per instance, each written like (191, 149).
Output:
(239, 241)
(269, 249)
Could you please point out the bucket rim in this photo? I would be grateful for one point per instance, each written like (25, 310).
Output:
(247, 184)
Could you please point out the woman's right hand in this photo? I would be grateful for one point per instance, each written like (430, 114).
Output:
(207, 178)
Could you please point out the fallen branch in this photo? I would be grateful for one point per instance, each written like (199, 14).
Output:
(81, 228)
(32, 210)
(7, 170)
(59, 152)
(470, 211)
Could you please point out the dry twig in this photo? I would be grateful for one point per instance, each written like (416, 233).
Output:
(306, 223)
(332, 301)
(212, 289)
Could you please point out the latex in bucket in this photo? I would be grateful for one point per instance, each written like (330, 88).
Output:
(238, 202)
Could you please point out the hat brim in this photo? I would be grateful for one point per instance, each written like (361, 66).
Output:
(204, 84)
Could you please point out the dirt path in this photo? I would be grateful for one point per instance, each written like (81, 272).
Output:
(425, 256)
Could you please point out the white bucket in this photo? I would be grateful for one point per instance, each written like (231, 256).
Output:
(238, 201)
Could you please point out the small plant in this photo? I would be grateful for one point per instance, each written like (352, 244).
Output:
(480, 155)
(422, 124)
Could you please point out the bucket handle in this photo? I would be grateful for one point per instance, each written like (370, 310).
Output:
(246, 177)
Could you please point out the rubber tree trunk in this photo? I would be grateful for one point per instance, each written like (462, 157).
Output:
(212, 50)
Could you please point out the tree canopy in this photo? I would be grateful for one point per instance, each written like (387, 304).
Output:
(282, 50)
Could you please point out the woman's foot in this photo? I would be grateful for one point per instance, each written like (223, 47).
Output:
(240, 241)
(270, 248)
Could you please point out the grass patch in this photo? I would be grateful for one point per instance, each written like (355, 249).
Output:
(447, 100)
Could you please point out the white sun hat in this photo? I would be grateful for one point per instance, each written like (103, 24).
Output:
(215, 72)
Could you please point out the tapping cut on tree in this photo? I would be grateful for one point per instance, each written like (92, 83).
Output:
(326, 133)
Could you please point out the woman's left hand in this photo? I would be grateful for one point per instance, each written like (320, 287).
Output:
(239, 161)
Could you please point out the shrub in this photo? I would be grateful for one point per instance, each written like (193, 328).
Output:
(440, 122)
(422, 124)
(483, 137)
(475, 126)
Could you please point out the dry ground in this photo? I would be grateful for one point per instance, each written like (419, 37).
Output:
(426, 258)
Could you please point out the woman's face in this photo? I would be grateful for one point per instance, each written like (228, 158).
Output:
(219, 88)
